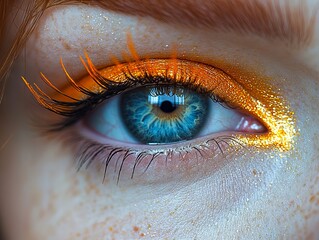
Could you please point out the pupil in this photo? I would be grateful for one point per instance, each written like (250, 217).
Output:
(167, 107)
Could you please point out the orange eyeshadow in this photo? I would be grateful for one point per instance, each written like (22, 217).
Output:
(241, 89)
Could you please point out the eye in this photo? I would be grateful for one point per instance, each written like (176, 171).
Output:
(154, 113)
(166, 114)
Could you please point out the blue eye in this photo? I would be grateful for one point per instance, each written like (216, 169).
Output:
(161, 115)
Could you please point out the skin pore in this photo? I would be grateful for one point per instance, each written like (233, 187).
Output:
(257, 193)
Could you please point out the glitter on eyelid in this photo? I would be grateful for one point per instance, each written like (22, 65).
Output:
(253, 98)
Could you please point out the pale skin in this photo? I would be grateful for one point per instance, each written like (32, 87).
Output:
(263, 194)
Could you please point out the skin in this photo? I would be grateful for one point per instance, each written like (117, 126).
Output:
(259, 194)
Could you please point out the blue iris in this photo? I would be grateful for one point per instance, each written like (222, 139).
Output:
(163, 114)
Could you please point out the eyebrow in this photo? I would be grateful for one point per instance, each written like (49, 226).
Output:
(292, 24)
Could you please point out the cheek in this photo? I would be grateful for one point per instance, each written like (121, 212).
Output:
(303, 201)
(39, 189)
(46, 198)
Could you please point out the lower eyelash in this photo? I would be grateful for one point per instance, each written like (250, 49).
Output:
(88, 152)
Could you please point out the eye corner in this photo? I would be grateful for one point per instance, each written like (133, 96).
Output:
(280, 133)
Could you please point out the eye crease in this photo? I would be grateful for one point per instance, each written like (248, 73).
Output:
(246, 117)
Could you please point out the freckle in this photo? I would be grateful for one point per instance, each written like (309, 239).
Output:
(255, 172)
(66, 46)
(312, 198)
(135, 229)
(142, 235)
(291, 203)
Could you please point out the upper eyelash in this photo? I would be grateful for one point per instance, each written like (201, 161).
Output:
(76, 108)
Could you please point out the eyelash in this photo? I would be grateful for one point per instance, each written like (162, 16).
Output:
(88, 152)
(77, 108)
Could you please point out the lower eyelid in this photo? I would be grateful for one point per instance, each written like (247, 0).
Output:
(154, 164)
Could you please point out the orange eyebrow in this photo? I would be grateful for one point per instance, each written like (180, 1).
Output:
(293, 24)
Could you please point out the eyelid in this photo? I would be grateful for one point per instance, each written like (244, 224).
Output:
(273, 113)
